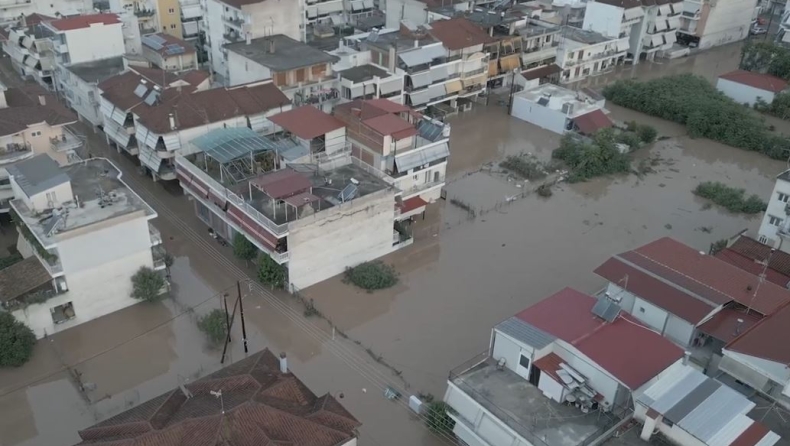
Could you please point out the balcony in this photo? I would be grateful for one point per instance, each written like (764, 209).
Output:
(234, 22)
(156, 236)
(159, 256)
(14, 152)
(142, 13)
(66, 142)
(14, 3)
(420, 188)
(473, 73)
(232, 36)
(538, 54)
(60, 48)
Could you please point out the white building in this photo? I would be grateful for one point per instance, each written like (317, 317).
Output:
(745, 87)
(775, 227)
(31, 50)
(78, 85)
(584, 53)
(360, 78)
(707, 23)
(690, 409)
(86, 38)
(12, 10)
(569, 355)
(560, 110)
(83, 234)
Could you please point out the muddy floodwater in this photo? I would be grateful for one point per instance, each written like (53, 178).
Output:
(462, 275)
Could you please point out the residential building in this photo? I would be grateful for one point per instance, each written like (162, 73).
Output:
(262, 403)
(412, 149)
(316, 217)
(706, 23)
(775, 227)
(86, 38)
(232, 21)
(560, 110)
(540, 42)
(542, 75)
(690, 409)
(192, 22)
(78, 85)
(570, 355)
(32, 122)
(302, 72)
(759, 259)
(583, 53)
(165, 115)
(745, 87)
(153, 15)
(12, 10)
(696, 300)
(83, 234)
(169, 53)
(31, 50)
(370, 81)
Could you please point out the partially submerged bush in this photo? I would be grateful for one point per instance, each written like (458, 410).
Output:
(215, 326)
(270, 272)
(371, 276)
(730, 198)
(527, 166)
(586, 160)
(147, 284)
(16, 341)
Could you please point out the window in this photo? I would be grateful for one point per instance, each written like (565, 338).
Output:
(783, 197)
(523, 361)
(52, 197)
(641, 309)
(172, 26)
(775, 221)
(37, 133)
(667, 422)
(548, 38)
(763, 239)
(171, 11)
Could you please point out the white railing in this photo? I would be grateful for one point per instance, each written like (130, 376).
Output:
(373, 171)
(156, 236)
(421, 187)
(67, 141)
(280, 257)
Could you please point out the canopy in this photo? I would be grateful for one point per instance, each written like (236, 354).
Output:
(229, 144)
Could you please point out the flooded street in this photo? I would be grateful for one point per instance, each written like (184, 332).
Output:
(461, 276)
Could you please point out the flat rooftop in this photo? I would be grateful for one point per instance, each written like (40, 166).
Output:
(281, 53)
(102, 196)
(555, 97)
(363, 73)
(525, 409)
(537, 28)
(584, 37)
(396, 39)
(98, 70)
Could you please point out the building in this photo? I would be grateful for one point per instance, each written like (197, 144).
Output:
(696, 300)
(706, 23)
(316, 217)
(540, 41)
(559, 109)
(302, 72)
(690, 409)
(233, 21)
(32, 122)
(192, 22)
(165, 113)
(153, 15)
(570, 359)
(759, 259)
(262, 403)
(745, 87)
(12, 10)
(86, 38)
(583, 53)
(83, 234)
(169, 53)
(775, 226)
(412, 149)
(370, 81)
(78, 85)
(31, 50)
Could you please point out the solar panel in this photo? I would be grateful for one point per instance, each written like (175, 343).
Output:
(348, 193)
(174, 49)
(152, 97)
(140, 90)
(154, 41)
(606, 309)
(543, 101)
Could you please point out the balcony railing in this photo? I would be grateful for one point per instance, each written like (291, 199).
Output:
(235, 22)
(232, 37)
(140, 13)
(473, 73)
(15, 152)
(406, 193)
(156, 236)
(65, 142)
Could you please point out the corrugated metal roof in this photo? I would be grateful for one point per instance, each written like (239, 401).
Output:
(678, 391)
(732, 430)
(692, 401)
(662, 386)
(524, 332)
(770, 439)
(713, 415)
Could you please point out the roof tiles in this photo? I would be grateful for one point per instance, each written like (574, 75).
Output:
(459, 33)
(84, 21)
(757, 80)
(307, 122)
(590, 123)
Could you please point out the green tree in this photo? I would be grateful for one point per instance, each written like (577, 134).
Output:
(270, 272)
(16, 341)
(243, 248)
(437, 418)
(731, 198)
(147, 284)
(646, 133)
(375, 275)
(586, 160)
(215, 326)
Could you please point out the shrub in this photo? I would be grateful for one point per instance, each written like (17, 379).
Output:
(437, 418)
(730, 198)
(526, 166)
(243, 248)
(5, 262)
(717, 246)
(646, 133)
(630, 139)
(270, 272)
(586, 160)
(544, 190)
(147, 284)
(215, 326)
(372, 275)
(16, 341)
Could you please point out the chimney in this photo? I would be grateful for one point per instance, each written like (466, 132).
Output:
(416, 43)
(42, 99)
(283, 363)
(248, 38)
(172, 119)
(271, 46)
(686, 356)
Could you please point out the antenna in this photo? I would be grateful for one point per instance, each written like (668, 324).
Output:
(761, 279)
(218, 394)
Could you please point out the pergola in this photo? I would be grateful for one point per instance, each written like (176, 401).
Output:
(234, 150)
(293, 188)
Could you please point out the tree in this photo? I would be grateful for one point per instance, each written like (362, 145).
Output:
(270, 272)
(646, 133)
(375, 275)
(215, 326)
(243, 248)
(16, 341)
(147, 284)
(438, 419)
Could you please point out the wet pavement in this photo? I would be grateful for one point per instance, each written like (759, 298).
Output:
(460, 277)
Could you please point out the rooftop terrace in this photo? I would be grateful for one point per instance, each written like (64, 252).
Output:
(555, 97)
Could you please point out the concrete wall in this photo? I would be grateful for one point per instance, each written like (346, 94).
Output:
(670, 326)
(411, 10)
(169, 14)
(603, 18)
(39, 202)
(597, 378)
(181, 62)
(511, 350)
(49, 8)
(78, 94)
(727, 21)
(776, 208)
(328, 242)
(212, 18)
(271, 18)
(741, 93)
(476, 425)
(95, 42)
(243, 70)
(421, 177)
(539, 115)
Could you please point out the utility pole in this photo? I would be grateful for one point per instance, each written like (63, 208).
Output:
(241, 313)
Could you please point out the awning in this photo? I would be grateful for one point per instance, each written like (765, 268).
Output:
(510, 63)
(26, 42)
(149, 158)
(141, 133)
(665, 9)
(622, 45)
(435, 91)
(258, 123)
(422, 55)
(357, 5)
(30, 61)
(438, 73)
(118, 116)
(657, 40)
(312, 12)
(674, 22)
(328, 8)
(368, 4)
(493, 70)
(391, 86)
(676, 7)
(541, 72)
(117, 133)
(472, 81)
(106, 107)
(633, 13)
(421, 79)
(151, 139)
(420, 97)
(172, 141)
(357, 91)
(417, 158)
(412, 206)
(190, 28)
(670, 38)
(190, 12)
(453, 87)
(661, 25)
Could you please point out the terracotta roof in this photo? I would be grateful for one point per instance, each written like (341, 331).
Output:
(387, 105)
(725, 326)
(170, 40)
(589, 123)
(753, 266)
(658, 292)
(21, 278)
(391, 125)
(459, 33)
(541, 72)
(627, 350)
(751, 248)
(549, 365)
(261, 407)
(25, 109)
(36, 18)
(752, 435)
(761, 339)
(84, 21)
(282, 183)
(412, 204)
(195, 77)
(307, 122)
(706, 276)
(757, 80)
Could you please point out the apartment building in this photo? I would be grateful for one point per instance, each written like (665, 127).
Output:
(12, 10)
(153, 15)
(83, 233)
(31, 50)
(582, 53)
(775, 226)
(33, 123)
(649, 25)
(370, 81)
(412, 149)
(86, 38)
(705, 23)
(300, 71)
(191, 21)
(560, 110)
(169, 53)
(78, 85)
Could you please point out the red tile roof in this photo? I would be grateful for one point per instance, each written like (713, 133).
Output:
(751, 248)
(307, 122)
(412, 204)
(459, 33)
(757, 80)
(171, 40)
(724, 325)
(541, 72)
(36, 18)
(388, 106)
(391, 125)
(84, 21)
(627, 350)
(590, 123)
(282, 183)
(753, 266)
(752, 435)
(549, 365)
(262, 406)
(25, 109)
(763, 339)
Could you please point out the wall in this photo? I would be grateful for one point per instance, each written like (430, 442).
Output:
(41, 143)
(325, 244)
(603, 18)
(775, 208)
(598, 379)
(411, 10)
(727, 21)
(271, 18)
(243, 71)
(741, 93)
(49, 8)
(169, 13)
(95, 42)
(39, 201)
(212, 18)
(476, 425)
(649, 314)
(510, 350)
(626, 298)
(539, 115)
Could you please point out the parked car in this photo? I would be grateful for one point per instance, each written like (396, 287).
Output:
(757, 30)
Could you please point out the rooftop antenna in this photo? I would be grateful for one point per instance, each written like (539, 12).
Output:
(761, 278)
(218, 394)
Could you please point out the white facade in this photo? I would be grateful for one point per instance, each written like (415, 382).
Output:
(11, 10)
(580, 57)
(742, 93)
(81, 95)
(94, 42)
(714, 23)
(775, 225)
(551, 107)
